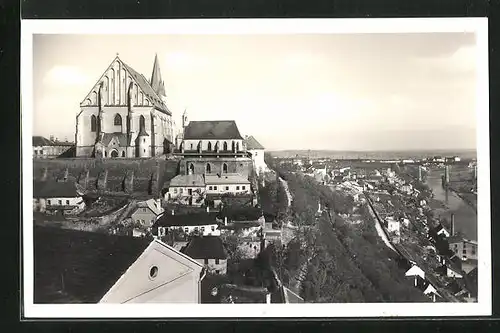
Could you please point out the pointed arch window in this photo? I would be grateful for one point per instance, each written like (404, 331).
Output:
(93, 123)
(225, 146)
(209, 146)
(123, 153)
(118, 120)
(142, 123)
(224, 168)
(209, 168)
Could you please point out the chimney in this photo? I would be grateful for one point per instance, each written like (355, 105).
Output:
(452, 231)
(268, 298)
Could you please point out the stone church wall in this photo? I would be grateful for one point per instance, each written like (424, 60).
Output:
(241, 165)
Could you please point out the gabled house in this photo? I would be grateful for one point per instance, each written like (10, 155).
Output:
(100, 268)
(463, 248)
(208, 251)
(187, 189)
(53, 196)
(452, 268)
(417, 273)
(203, 223)
(144, 214)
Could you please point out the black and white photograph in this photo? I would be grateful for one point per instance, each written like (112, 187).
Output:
(230, 168)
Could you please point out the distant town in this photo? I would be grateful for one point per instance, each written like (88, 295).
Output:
(138, 210)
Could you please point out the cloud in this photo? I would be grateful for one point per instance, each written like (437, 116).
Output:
(65, 75)
(463, 60)
(183, 61)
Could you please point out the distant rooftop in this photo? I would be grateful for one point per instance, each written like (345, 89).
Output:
(192, 219)
(40, 141)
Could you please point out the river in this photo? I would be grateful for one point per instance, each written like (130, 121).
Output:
(465, 216)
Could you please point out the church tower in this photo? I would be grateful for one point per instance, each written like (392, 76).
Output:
(185, 121)
(156, 80)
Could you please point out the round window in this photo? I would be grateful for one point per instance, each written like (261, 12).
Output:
(153, 272)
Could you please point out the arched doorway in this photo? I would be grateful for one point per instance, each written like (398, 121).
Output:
(114, 153)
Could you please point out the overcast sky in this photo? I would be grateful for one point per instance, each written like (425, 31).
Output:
(322, 91)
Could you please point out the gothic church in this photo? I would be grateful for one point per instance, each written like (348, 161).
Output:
(125, 115)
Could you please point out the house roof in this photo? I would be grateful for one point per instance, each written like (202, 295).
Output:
(225, 178)
(107, 137)
(151, 204)
(205, 247)
(213, 129)
(180, 220)
(252, 143)
(145, 86)
(241, 213)
(40, 141)
(54, 189)
(187, 180)
(88, 264)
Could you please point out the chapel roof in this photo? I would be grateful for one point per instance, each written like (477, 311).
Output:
(107, 137)
(213, 129)
(88, 264)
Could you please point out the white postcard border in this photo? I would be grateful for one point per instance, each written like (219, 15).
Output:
(259, 26)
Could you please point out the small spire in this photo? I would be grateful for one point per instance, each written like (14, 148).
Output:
(117, 54)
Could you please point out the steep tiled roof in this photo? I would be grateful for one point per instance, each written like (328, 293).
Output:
(205, 247)
(252, 143)
(193, 219)
(145, 86)
(87, 266)
(214, 129)
(54, 189)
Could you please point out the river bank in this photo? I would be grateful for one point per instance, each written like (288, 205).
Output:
(464, 212)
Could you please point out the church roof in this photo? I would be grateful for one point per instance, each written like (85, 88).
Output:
(156, 80)
(214, 129)
(252, 143)
(145, 86)
(88, 263)
(107, 137)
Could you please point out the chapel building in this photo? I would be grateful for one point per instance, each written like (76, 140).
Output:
(212, 147)
(125, 115)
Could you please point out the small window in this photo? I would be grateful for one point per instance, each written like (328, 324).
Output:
(60, 202)
(210, 187)
(217, 271)
(202, 229)
(153, 272)
(191, 146)
(67, 202)
(181, 190)
(206, 261)
(216, 261)
(243, 187)
(464, 251)
(175, 190)
(144, 210)
(227, 188)
(237, 188)
(213, 228)
(144, 150)
(48, 201)
(215, 187)
(186, 230)
(196, 229)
